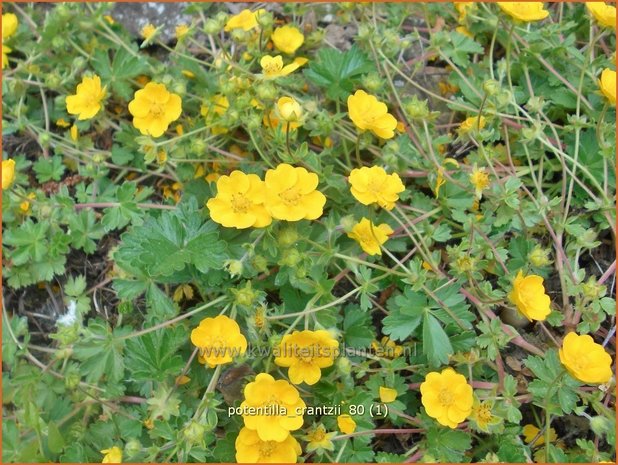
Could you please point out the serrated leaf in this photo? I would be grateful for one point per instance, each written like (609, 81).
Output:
(336, 71)
(436, 344)
(55, 441)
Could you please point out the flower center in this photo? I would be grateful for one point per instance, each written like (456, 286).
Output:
(290, 197)
(240, 203)
(156, 110)
(267, 448)
(318, 435)
(272, 68)
(484, 413)
(445, 397)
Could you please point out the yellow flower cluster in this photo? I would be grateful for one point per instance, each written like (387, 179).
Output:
(287, 193)
(9, 27)
(528, 294)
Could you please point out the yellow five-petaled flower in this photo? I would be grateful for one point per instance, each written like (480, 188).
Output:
(372, 185)
(239, 202)
(305, 353)
(86, 102)
(251, 449)
(585, 360)
(219, 340)
(112, 455)
(528, 294)
(272, 67)
(369, 114)
(447, 397)
(154, 108)
(370, 236)
(604, 14)
(291, 194)
(607, 83)
(524, 11)
(272, 408)
(287, 39)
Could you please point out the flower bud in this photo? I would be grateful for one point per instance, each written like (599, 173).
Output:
(194, 433)
(287, 236)
(265, 20)
(372, 82)
(539, 257)
(416, 109)
(344, 366)
(260, 263)
(245, 296)
(600, 425)
(266, 91)
(491, 87)
(289, 109)
(133, 447)
(290, 257)
(212, 26)
(233, 267)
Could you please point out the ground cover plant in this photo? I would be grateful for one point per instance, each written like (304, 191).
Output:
(352, 232)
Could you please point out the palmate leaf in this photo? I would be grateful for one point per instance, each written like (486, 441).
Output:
(336, 71)
(154, 356)
(166, 245)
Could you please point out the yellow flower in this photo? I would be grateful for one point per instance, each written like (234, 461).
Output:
(113, 455)
(524, 11)
(5, 56)
(462, 8)
(604, 14)
(62, 123)
(219, 340)
(440, 181)
(74, 133)
(472, 123)
(346, 424)
(447, 397)
(239, 202)
(25, 205)
(272, 67)
(187, 73)
(291, 194)
(287, 39)
(245, 20)
(251, 449)
(530, 432)
(181, 31)
(8, 173)
(528, 294)
(369, 236)
(585, 360)
(87, 99)
(289, 109)
(154, 108)
(480, 180)
(306, 353)
(272, 408)
(109, 20)
(148, 31)
(387, 395)
(319, 439)
(9, 25)
(483, 416)
(373, 185)
(607, 83)
(368, 113)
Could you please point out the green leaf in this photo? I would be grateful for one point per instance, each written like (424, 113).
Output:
(436, 344)
(155, 355)
(55, 441)
(337, 71)
(447, 445)
(406, 312)
(101, 352)
(357, 328)
(85, 230)
(48, 169)
(117, 73)
(165, 246)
